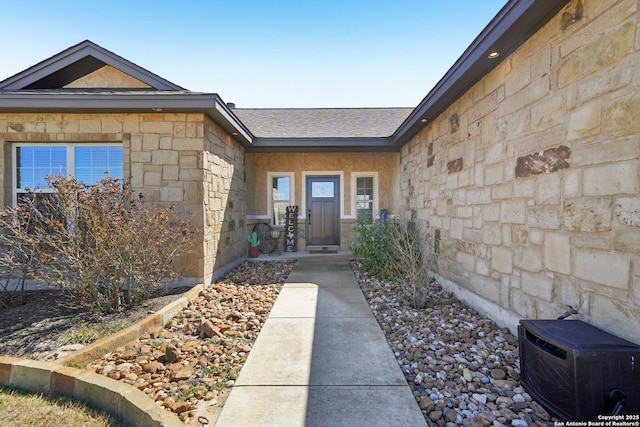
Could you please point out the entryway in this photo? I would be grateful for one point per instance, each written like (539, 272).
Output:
(323, 210)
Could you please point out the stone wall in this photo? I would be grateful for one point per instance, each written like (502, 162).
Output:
(168, 159)
(225, 239)
(532, 176)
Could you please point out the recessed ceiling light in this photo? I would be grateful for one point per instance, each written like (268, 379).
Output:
(423, 121)
(235, 134)
(493, 55)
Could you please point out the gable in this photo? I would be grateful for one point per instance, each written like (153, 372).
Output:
(107, 77)
(77, 64)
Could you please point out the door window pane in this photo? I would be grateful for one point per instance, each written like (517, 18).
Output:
(321, 189)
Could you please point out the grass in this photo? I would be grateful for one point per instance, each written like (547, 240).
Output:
(19, 408)
(87, 335)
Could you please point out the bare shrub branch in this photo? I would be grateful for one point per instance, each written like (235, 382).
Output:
(110, 249)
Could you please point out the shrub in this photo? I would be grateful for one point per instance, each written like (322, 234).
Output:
(21, 255)
(373, 247)
(415, 252)
(114, 251)
(402, 252)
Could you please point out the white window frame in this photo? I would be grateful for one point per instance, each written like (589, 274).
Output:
(71, 165)
(292, 194)
(354, 193)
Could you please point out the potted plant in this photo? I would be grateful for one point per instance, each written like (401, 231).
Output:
(254, 242)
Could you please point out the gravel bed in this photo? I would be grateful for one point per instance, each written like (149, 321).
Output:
(462, 368)
(189, 366)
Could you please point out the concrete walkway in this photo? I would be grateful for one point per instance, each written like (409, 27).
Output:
(321, 359)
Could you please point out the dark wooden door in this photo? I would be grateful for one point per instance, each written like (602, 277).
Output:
(323, 210)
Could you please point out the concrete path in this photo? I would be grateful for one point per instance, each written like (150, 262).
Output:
(321, 359)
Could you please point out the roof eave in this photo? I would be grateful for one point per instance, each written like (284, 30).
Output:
(211, 104)
(322, 145)
(513, 25)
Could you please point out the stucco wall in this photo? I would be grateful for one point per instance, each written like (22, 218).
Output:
(260, 164)
(533, 175)
(166, 159)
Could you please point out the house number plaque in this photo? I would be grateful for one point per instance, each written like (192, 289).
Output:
(291, 230)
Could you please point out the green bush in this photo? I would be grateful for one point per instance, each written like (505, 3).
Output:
(373, 247)
(402, 252)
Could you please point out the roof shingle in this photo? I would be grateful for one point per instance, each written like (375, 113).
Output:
(322, 122)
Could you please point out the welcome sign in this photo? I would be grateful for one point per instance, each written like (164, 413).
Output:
(291, 230)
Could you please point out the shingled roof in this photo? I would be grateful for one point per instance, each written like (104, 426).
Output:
(302, 123)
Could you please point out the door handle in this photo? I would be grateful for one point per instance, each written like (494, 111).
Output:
(309, 213)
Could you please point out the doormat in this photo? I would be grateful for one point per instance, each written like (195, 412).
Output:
(323, 251)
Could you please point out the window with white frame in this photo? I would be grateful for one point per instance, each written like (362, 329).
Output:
(280, 196)
(88, 163)
(365, 197)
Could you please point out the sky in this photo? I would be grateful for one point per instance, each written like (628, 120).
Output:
(262, 53)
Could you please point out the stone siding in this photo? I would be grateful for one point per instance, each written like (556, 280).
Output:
(168, 159)
(532, 176)
(225, 195)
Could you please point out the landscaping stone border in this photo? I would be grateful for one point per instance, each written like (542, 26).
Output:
(114, 397)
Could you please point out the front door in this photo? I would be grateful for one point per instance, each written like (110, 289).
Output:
(323, 210)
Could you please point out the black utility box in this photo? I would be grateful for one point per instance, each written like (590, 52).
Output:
(571, 368)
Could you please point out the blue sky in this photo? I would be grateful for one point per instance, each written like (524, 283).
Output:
(262, 53)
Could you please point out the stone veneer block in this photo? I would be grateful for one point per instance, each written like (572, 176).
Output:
(512, 211)
(546, 217)
(492, 234)
(603, 51)
(152, 179)
(628, 211)
(164, 157)
(627, 240)
(571, 183)
(614, 317)
(522, 304)
(528, 258)
(606, 268)
(587, 215)
(502, 260)
(548, 112)
(538, 285)
(171, 194)
(611, 179)
(455, 165)
(613, 150)
(548, 161)
(557, 253)
(585, 121)
(621, 118)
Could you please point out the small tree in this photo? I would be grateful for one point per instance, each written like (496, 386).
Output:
(108, 247)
